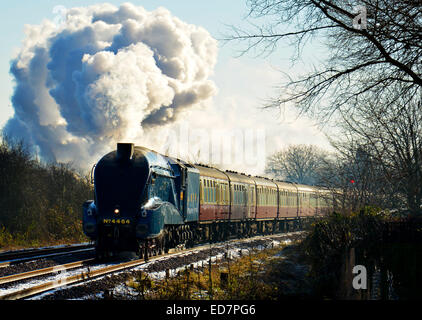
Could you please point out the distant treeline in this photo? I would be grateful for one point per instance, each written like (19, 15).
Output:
(40, 203)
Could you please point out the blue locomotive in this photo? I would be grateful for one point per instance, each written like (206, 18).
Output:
(147, 202)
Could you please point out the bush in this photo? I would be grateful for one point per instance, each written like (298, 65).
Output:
(331, 238)
(40, 204)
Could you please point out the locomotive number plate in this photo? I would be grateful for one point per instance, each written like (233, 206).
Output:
(116, 221)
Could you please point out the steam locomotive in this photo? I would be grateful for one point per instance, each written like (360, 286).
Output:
(148, 203)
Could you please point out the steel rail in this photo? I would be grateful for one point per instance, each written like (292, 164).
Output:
(90, 274)
(86, 275)
(41, 272)
(29, 253)
(16, 261)
(83, 276)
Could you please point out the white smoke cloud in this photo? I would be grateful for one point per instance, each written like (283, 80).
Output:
(104, 75)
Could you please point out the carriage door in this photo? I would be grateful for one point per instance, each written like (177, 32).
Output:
(192, 195)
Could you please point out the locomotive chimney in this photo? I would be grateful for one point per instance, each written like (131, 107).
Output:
(124, 151)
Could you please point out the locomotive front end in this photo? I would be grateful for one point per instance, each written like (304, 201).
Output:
(133, 194)
(120, 179)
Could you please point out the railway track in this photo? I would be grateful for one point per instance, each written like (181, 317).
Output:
(42, 272)
(88, 272)
(13, 257)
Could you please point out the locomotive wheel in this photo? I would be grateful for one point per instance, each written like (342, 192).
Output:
(143, 251)
(160, 245)
(166, 241)
(146, 250)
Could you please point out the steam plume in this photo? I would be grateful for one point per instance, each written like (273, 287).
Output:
(106, 74)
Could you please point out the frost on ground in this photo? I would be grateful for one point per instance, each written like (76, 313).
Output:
(115, 285)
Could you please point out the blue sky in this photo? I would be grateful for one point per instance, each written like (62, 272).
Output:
(243, 82)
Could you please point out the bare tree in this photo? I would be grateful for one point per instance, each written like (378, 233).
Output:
(392, 136)
(373, 46)
(297, 163)
(360, 177)
(370, 82)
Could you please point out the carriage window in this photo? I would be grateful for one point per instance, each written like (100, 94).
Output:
(206, 191)
(234, 194)
(272, 197)
(238, 195)
(221, 186)
(201, 190)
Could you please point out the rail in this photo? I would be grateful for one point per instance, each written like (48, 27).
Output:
(90, 274)
(10, 257)
(42, 272)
